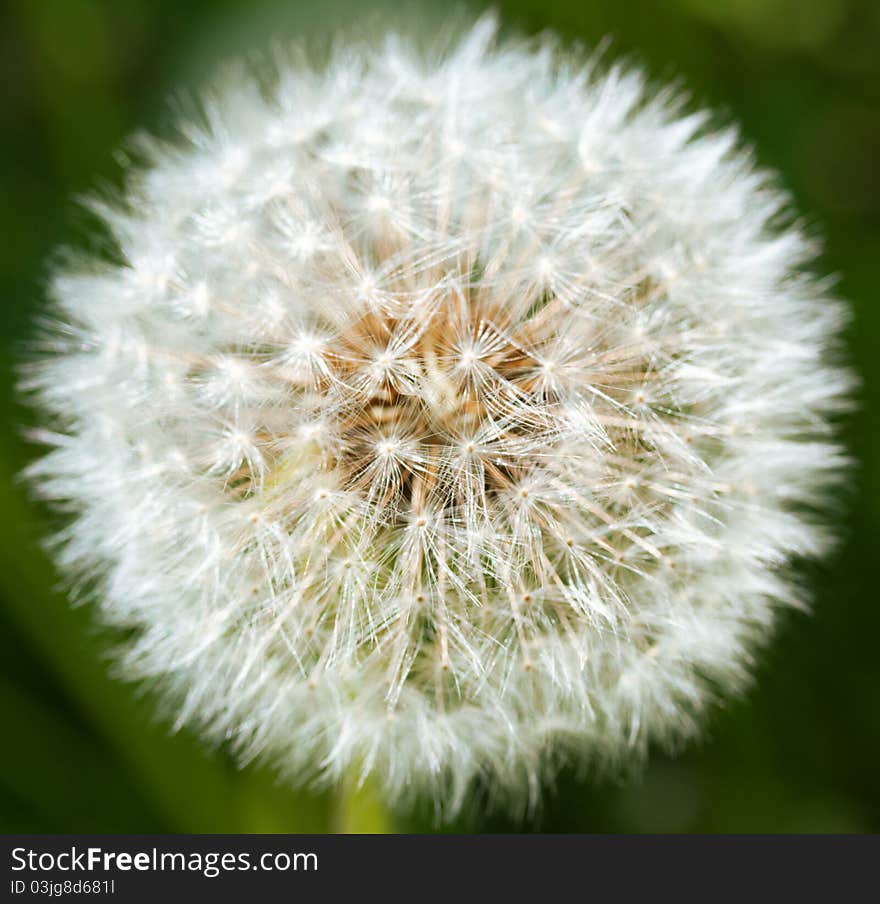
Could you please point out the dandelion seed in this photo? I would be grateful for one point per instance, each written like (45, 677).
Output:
(494, 404)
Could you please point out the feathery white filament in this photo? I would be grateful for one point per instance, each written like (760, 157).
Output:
(440, 413)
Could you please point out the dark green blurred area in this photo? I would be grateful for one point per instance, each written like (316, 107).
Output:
(83, 752)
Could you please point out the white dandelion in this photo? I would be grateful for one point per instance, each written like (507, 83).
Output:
(442, 413)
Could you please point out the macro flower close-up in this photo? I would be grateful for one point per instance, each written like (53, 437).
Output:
(429, 419)
(440, 411)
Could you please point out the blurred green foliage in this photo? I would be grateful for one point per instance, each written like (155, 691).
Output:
(83, 752)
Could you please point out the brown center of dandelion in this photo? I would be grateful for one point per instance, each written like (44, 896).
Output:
(432, 396)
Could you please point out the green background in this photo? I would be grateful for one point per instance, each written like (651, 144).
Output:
(80, 751)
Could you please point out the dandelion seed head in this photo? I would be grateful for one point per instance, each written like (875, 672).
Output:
(441, 414)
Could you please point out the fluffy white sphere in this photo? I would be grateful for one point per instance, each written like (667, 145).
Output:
(438, 414)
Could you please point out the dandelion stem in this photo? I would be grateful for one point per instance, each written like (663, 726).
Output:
(359, 809)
